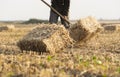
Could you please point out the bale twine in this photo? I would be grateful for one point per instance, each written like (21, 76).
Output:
(7, 27)
(46, 38)
(85, 29)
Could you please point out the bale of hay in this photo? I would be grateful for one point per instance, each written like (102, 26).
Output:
(9, 49)
(7, 27)
(110, 27)
(85, 29)
(46, 38)
(118, 27)
(3, 28)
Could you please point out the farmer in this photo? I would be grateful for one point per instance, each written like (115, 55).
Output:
(62, 6)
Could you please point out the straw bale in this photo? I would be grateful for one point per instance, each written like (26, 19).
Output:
(9, 49)
(85, 29)
(46, 38)
(7, 27)
(118, 27)
(112, 27)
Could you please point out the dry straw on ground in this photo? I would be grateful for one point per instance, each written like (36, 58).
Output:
(46, 38)
(85, 29)
(7, 27)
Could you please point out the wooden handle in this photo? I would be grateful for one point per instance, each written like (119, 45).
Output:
(56, 12)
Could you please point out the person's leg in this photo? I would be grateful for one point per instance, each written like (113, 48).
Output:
(64, 22)
(53, 17)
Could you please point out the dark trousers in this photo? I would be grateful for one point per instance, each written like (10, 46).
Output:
(54, 19)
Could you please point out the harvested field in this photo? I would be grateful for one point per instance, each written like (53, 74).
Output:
(99, 57)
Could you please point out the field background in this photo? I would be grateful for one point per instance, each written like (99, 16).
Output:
(99, 57)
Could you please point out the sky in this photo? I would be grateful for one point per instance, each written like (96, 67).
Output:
(26, 9)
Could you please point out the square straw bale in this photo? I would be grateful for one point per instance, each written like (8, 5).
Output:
(85, 29)
(110, 28)
(46, 38)
(7, 27)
